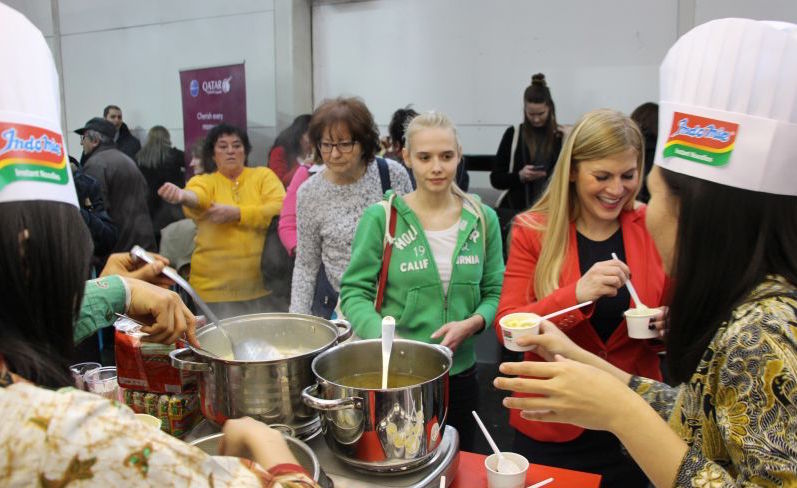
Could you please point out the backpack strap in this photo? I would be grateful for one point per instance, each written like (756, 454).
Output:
(384, 174)
(390, 232)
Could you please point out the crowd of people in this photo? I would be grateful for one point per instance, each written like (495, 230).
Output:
(367, 236)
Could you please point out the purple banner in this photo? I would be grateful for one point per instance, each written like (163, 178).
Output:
(211, 96)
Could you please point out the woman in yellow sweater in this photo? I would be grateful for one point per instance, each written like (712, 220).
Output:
(232, 207)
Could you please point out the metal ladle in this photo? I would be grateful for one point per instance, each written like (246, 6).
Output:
(251, 350)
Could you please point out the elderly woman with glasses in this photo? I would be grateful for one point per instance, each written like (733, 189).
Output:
(330, 204)
(232, 207)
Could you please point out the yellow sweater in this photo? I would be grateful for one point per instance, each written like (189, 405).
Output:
(225, 266)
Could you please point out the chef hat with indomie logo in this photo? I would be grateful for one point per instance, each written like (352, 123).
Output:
(728, 110)
(33, 157)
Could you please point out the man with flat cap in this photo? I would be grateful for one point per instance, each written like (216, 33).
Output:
(123, 186)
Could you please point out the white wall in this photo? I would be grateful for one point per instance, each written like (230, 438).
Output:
(473, 58)
(130, 54)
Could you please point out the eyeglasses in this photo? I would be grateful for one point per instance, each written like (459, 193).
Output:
(344, 147)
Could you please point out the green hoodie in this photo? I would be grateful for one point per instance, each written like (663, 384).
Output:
(414, 293)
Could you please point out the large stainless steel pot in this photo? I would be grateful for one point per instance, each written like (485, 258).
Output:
(303, 454)
(383, 431)
(269, 391)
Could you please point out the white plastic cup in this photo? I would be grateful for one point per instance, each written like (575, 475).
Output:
(102, 381)
(512, 334)
(149, 420)
(637, 321)
(506, 480)
(79, 370)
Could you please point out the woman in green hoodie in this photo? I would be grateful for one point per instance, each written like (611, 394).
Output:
(446, 267)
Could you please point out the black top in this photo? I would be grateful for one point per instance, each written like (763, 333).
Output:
(521, 196)
(608, 312)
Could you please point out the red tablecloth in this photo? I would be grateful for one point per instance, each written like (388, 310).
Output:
(471, 474)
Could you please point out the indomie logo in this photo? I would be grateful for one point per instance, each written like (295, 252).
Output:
(30, 153)
(700, 139)
(31, 144)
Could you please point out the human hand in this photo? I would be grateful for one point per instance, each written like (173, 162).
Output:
(530, 173)
(659, 321)
(171, 193)
(572, 393)
(123, 264)
(221, 214)
(454, 333)
(163, 310)
(603, 279)
(552, 341)
(246, 437)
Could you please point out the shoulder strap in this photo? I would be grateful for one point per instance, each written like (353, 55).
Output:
(390, 232)
(384, 174)
(515, 138)
(512, 150)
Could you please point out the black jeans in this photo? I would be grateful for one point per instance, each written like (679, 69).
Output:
(594, 451)
(463, 397)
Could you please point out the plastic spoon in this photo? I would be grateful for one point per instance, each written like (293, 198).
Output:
(443, 482)
(565, 310)
(631, 289)
(388, 331)
(504, 465)
(541, 483)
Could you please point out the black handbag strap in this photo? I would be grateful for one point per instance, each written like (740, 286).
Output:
(384, 173)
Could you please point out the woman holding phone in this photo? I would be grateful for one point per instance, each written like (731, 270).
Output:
(527, 153)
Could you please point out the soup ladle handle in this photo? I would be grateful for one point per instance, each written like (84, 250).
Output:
(311, 400)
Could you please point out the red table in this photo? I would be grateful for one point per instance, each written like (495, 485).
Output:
(471, 474)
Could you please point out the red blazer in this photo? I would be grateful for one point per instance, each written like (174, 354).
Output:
(517, 295)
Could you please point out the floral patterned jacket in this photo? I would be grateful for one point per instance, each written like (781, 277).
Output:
(738, 412)
(70, 438)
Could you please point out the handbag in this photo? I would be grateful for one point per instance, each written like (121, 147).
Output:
(276, 265)
(500, 201)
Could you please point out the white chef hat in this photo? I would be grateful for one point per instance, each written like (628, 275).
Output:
(33, 156)
(728, 110)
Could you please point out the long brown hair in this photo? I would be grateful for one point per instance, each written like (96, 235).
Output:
(538, 92)
(599, 134)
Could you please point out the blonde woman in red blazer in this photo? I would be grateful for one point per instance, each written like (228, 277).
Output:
(560, 255)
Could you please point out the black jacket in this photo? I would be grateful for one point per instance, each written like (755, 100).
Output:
(127, 142)
(92, 208)
(124, 191)
(169, 170)
(521, 196)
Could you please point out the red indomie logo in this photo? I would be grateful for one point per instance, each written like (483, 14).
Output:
(700, 139)
(30, 153)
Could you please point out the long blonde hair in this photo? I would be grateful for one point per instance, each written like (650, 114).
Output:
(439, 120)
(599, 134)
